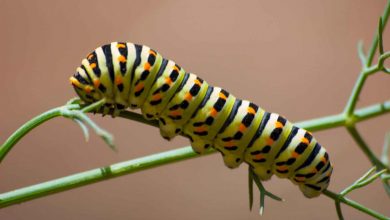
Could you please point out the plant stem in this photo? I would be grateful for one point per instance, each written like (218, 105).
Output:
(312, 125)
(351, 104)
(374, 43)
(95, 175)
(354, 204)
(27, 127)
(132, 166)
(365, 148)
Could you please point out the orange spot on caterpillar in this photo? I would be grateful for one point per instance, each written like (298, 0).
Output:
(242, 127)
(201, 129)
(278, 125)
(152, 52)
(89, 56)
(251, 110)
(323, 159)
(156, 97)
(118, 80)
(294, 154)
(283, 168)
(96, 83)
(197, 82)
(168, 80)
(121, 46)
(300, 178)
(175, 113)
(259, 156)
(147, 66)
(92, 65)
(213, 112)
(305, 140)
(139, 87)
(230, 143)
(88, 89)
(222, 96)
(122, 59)
(270, 141)
(188, 96)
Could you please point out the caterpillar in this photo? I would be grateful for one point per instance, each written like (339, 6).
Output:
(138, 77)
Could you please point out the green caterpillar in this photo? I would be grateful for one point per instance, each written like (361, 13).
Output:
(135, 76)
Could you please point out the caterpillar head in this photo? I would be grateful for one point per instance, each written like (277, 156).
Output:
(84, 90)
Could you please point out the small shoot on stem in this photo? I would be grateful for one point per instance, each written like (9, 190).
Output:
(84, 128)
(385, 160)
(338, 210)
(385, 150)
(250, 187)
(79, 116)
(361, 53)
(380, 37)
(73, 101)
(263, 192)
(366, 179)
(382, 55)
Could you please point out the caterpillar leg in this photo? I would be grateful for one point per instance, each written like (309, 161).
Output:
(240, 127)
(111, 109)
(200, 145)
(182, 105)
(313, 175)
(314, 187)
(266, 143)
(207, 121)
(168, 130)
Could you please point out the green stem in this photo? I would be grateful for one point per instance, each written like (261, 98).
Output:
(374, 44)
(138, 117)
(27, 127)
(353, 204)
(365, 148)
(351, 104)
(69, 110)
(338, 210)
(312, 125)
(119, 169)
(95, 175)
(367, 69)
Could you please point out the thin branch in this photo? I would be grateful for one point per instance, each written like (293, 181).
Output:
(365, 148)
(374, 44)
(361, 53)
(27, 127)
(353, 204)
(366, 179)
(70, 110)
(96, 175)
(351, 104)
(338, 210)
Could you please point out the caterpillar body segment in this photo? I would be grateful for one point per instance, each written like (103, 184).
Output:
(179, 110)
(135, 76)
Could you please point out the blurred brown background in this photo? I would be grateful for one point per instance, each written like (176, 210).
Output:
(297, 58)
